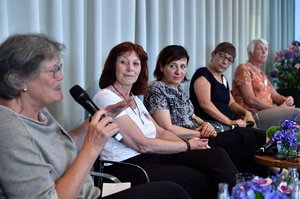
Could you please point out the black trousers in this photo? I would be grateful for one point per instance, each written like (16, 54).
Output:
(197, 171)
(154, 190)
(240, 144)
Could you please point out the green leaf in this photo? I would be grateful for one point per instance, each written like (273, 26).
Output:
(259, 195)
(272, 130)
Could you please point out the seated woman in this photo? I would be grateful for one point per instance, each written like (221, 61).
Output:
(190, 163)
(39, 159)
(253, 90)
(173, 110)
(210, 92)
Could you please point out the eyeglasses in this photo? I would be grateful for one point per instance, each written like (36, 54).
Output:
(224, 57)
(57, 69)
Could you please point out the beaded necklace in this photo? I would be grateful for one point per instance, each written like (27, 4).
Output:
(139, 112)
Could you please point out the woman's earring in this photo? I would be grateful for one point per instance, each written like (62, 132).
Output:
(24, 89)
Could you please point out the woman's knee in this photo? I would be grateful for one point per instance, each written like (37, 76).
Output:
(219, 152)
(193, 181)
(169, 189)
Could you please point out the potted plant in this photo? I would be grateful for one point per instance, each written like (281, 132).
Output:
(286, 72)
(287, 137)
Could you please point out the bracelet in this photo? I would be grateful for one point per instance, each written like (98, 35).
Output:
(187, 144)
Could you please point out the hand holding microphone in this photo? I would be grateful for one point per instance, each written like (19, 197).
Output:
(248, 124)
(84, 100)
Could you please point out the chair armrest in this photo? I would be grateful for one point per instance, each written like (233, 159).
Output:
(102, 162)
(105, 175)
(100, 175)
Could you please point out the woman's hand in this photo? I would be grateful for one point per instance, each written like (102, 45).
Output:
(249, 117)
(290, 101)
(99, 131)
(283, 102)
(284, 105)
(206, 130)
(199, 143)
(115, 109)
(239, 122)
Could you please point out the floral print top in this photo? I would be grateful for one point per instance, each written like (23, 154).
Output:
(162, 96)
(247, 74)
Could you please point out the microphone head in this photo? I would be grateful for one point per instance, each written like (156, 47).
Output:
(78, 93)
(83, 99)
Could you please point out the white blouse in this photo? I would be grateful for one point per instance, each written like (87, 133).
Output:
(115, 150)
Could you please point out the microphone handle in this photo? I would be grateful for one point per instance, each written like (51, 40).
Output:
(93, 109)
(85, 101)
(267, 146)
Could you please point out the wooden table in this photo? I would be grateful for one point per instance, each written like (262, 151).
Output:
(270, 161)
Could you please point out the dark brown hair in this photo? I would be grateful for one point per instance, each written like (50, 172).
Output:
(108, 76)
(167, 55)
(227, 48)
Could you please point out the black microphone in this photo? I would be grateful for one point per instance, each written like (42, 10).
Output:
(81, 97)
(266, 146)
(249, 124)
(234, 126)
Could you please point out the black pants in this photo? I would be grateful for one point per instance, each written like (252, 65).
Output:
(240, 143)
(154, 190)
(197, 171)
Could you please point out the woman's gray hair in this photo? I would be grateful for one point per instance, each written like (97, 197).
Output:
(251, 45)
(21, 56)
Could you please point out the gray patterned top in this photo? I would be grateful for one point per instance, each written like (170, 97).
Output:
(162, 96)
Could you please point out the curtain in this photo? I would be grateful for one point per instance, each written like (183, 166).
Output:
(90, 28)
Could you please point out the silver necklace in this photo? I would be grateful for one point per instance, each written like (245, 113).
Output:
(139, 112)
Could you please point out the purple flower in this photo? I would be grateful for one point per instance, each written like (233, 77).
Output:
(287, 137)
(288, 133)
(277, 57)
(285, 188)
(278, 136)
(243, 191)
(287, 124)
(273, 73)
(277, 195)
(262, 181)
(262, 188)
(287, 67)
(287, 54)
(295, 117)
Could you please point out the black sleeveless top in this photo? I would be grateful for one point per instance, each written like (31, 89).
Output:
(219, 94)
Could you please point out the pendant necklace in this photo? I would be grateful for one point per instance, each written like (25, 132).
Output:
(139, 112)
